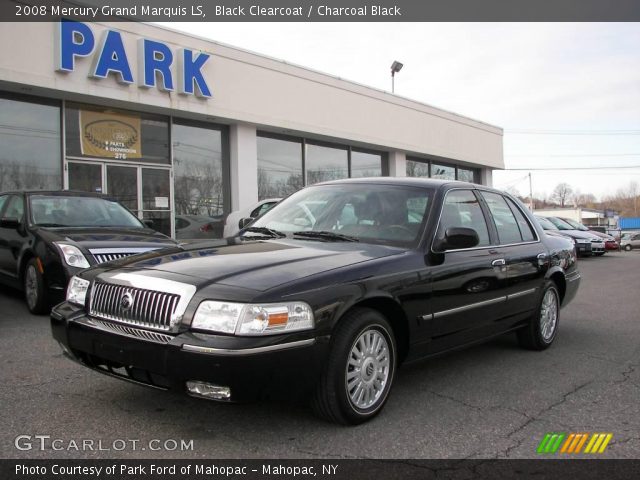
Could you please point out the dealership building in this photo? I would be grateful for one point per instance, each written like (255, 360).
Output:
(178, 127)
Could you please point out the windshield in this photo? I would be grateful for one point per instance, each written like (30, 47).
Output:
(576, 225)
(74, 211)
(373, 213)
(562, 225)
(546, 224)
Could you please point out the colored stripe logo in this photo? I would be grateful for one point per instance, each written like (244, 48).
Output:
(574, 443)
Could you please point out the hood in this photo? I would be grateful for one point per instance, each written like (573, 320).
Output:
(255, 265)
(579, 234)
(90, 238)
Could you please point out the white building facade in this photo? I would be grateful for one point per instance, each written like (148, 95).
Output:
(174, 125)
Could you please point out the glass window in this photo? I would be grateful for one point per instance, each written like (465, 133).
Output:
(445, 172)
(374, 214)
(97, 132)
(326, 163)
(15, 208)
(466, 175)
(76, 211)
(262, 209)
(3, 198)
(525, 227)
(279, 167)
(461, 209)
(506, 224)
(29, 145)
(200, 173)
(365, 164)
(417, 169)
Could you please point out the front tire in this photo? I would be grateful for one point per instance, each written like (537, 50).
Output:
(359, 374)
(541, 331)
(627, 248)
(34, 289)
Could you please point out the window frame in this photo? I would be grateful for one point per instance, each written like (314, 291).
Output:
(493, 235)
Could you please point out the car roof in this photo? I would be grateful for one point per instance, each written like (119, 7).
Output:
(62, 193)
(405, 181)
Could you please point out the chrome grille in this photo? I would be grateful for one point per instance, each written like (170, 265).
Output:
(107, 257)
(102, 255)
(132, 332)
(149, 308)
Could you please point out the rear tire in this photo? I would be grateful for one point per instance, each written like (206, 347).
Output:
(541, 331)
(34, 289)
(360, 370)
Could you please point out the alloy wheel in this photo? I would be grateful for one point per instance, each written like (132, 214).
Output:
(549, 315)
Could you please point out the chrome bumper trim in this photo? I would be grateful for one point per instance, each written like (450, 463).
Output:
(248, 351)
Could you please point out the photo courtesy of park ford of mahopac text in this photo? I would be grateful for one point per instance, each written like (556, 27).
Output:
(333, 239)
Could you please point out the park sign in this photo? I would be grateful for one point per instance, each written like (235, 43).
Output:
(157, 62)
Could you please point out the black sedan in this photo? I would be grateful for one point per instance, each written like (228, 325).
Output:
(389, 270)
(47, 237)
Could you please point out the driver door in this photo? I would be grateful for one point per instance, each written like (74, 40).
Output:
(11, 238)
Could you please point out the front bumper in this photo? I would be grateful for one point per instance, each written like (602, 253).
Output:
(583, 249)
(275, 366)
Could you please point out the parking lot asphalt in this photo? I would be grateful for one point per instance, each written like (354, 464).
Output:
(490, 401)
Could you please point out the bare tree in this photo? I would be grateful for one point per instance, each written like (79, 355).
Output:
(562, 193)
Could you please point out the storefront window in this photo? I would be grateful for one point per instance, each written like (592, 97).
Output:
(29, 145)
(279, 167)
(200, 179)
(97, 132)
(365, 164)
(444, 172)
(326, 163)
(417, 169)
(466, 175)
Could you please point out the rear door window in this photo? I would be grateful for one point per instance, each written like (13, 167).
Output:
(506, 224)
(525, 227)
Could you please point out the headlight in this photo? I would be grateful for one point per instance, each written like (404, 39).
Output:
(249, 319)
(73, 256)
(77, 290)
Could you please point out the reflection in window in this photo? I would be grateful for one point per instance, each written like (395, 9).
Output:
(198, 170)
(444, 172)
(506, 224)
(417, 169)
(279, 167)
(466, 175)
(326, 163)
(365, 164)
(461, 209)
(29, 146)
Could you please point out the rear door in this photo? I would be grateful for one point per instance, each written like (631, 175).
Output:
(525, 255)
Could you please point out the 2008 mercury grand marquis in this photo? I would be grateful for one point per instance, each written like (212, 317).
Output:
(327, 293)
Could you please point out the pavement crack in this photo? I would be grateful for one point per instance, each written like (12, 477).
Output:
(478, 407)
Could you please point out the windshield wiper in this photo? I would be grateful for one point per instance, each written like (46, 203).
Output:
(50, 225)
(329, 236)
(266, 231)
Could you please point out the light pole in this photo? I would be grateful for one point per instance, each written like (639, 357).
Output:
(395, 67)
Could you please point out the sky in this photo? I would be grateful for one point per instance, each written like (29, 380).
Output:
(566, 94)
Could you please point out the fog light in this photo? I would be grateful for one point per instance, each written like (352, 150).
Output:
(208, 390)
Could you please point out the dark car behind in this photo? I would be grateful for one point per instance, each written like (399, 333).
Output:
(46, 237)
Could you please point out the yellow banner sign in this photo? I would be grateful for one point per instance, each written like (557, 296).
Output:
(110, 135)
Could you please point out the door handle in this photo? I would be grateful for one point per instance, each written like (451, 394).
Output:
(500, 262)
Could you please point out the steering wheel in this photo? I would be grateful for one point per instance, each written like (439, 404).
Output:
(398, 228)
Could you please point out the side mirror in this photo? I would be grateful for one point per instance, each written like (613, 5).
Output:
(244, 222)
(10, 223)
(148, 222)
(460, 237)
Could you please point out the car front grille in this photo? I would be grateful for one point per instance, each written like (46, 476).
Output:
(102, 255)
(133, 306)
